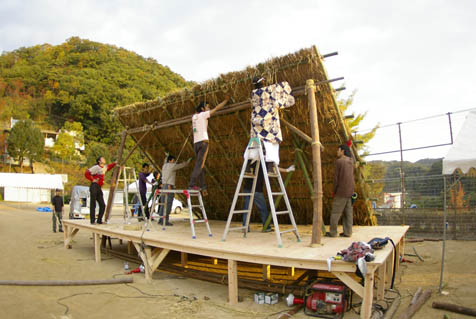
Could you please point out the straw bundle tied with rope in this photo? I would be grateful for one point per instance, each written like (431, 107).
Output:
(169, 119)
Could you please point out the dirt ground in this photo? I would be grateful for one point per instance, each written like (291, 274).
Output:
(31, 251)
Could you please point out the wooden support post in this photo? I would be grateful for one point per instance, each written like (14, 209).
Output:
(381, 280)
(115, 176)
(130, 247)
(123, 161)
(297, 131)
(145, 255)
(97, 247)
(184, 259)
(157, 257)
(389, 270)
(69, 236)
(232, 282)
(366, 310)
(350, 282)
(316, 165)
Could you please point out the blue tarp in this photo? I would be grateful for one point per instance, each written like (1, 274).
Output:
(43, 209)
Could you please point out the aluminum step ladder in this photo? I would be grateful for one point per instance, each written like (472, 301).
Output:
(198, 202)
(255, 144)
(129, 176)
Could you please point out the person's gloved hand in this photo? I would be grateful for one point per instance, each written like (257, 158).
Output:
(291, 168)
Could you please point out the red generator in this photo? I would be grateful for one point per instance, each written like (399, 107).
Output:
(327, 299)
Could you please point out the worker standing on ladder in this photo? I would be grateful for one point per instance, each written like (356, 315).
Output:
(96, 175)
(200, 142)
(169, 172)
(266, 102)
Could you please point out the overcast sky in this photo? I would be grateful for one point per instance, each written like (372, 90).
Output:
(406, 59)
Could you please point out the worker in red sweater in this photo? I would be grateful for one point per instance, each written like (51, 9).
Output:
(96, 175)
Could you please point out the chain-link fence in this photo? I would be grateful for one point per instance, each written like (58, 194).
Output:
(420, 201)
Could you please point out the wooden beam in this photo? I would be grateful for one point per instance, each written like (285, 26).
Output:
(232, 282)
(115, 176)
(135, 147)
(97, 247)
(183, 259)
(298, 132)
(158, 259)
(367, 299)
(70, 235)
(381, 272)
(316, 165)
(350, 282)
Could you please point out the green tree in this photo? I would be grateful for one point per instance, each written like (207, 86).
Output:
(25, 141)
(95, 150)
(64, 147)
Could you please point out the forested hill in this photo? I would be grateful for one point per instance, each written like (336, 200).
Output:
(79, 80)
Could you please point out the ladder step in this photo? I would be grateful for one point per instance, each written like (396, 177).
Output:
(196, 205)
(240, 211)
(287, 231)
(244, 194)
(237, 228)
(273, 175)
(282, 212)
(200, 220)
(248, 176)
(277, 194)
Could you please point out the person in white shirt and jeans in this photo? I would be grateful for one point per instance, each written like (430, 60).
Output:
(200, 143)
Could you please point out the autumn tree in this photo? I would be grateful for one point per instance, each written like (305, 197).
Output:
(353, 124)
(25, 141)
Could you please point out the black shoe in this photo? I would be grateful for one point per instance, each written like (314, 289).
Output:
(343, 235)
(99, 222)
(60, 230)
(54, 231)
(329, 235)
(268, 230)
(168, 224)
(93, 223)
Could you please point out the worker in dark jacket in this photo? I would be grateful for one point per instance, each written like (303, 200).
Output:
(58, 209)
(343, 190)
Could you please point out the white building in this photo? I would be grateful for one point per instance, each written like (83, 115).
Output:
(32, 188)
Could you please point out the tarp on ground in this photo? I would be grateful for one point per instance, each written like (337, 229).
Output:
(32, 181)
(462, 154)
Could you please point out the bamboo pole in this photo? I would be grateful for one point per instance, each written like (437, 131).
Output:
(316, 165)
(115, 176)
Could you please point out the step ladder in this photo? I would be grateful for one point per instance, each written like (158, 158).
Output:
(255, 144)
(157, 203)
(198, 202)
(129, 176)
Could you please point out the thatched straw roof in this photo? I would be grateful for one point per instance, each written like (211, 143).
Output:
(170, 120)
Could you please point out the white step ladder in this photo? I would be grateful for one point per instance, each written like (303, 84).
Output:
(189, 193)
(129, 176)
(255, 144)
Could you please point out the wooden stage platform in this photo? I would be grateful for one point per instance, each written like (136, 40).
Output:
(153, 246)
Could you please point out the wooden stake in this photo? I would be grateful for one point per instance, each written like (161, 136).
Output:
(454, 308)
(316, 165)
(115, 176)
(412, 309)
